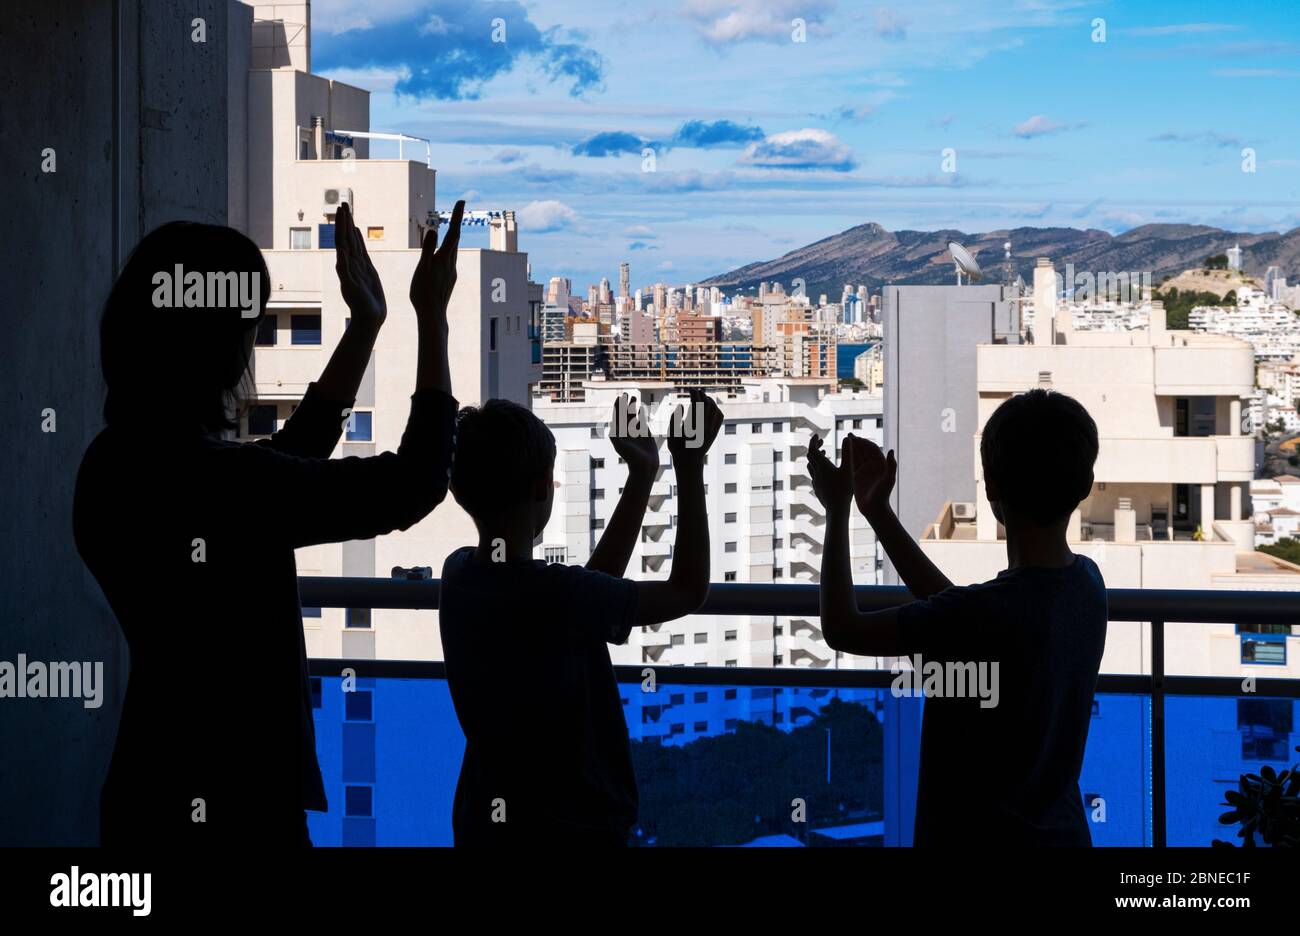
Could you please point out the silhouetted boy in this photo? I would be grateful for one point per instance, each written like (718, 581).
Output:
(998, 767)
(547, 759)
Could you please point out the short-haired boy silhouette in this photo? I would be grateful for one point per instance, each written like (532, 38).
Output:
(547, 758)
(1005, 774)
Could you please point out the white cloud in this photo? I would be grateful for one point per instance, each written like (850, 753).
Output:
(540, 217)
(726, 21)
(1038, 125)
(808, 148)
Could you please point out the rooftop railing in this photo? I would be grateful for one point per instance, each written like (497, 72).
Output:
(1153, 606)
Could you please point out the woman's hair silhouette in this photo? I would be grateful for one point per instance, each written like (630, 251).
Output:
(177, 365)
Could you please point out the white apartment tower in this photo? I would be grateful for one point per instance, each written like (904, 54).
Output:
(765, 524)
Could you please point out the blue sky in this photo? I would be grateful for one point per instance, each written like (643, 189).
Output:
(763, 144)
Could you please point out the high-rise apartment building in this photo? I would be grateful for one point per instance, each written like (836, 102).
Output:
(765, 523)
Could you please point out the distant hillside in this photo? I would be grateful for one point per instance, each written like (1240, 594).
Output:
(872, 255)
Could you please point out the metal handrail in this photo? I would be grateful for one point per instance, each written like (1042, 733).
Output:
(1191, 606)
(1157, 606)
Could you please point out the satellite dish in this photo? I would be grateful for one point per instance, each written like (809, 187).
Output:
(965, 262)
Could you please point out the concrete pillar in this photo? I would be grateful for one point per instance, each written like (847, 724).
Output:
(1207, 510)
(1234, 417)
(1234, 500)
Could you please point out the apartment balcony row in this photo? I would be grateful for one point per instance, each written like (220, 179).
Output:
(1161, 748)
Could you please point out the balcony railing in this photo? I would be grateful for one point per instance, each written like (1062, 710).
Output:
(801, 601)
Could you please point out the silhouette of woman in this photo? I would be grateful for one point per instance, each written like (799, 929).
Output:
(191, 534)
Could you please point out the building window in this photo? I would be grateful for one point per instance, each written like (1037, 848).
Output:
(325, 236)
(300, 238)
(358, 705)
(677, 640)
(729, 547)
(729, 488)
(374, 233)
(305, 329)
(729, 459)
(728, 576)
(358, 617)
(358, 801)
(311, 612)
(597, 523)
(755, 428)
(266, 331)
(597, 463)
(677, 698)
(360, 426)
(729, 429)
(778, 457)
(702, 638)
(729, 695)
(1265, 726)
(595, 432)
(597, 493)
(778, 514)
(729, 518)
(730, 663)
(492, 333)
(261, 419)
(778, 542)
(701, 727)
(553, 555)
(778, 427)
(778, 573)
(1263, 643)
(731, 724)
(778, 485)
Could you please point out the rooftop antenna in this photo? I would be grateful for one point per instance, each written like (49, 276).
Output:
(965, 262)
(1007, 269)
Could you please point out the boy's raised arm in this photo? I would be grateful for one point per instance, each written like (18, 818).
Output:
(632, 440)
(873, 476)
(844, 627)
(689, 439)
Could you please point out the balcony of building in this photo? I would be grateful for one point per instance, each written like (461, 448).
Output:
(1162, 748)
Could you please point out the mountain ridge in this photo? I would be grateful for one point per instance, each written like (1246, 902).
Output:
(871, 254)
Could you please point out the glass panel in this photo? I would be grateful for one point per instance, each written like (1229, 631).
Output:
(724, 765)
(1211, 742)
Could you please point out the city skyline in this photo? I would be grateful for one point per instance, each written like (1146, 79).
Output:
(554, 121)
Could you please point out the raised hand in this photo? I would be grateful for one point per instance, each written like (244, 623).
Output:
(832, 485)
(691, 434)
(358, 281)
(874, 474)
(631, 437)
(435, 274)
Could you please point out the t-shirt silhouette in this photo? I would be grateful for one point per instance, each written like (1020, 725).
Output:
(192, 540)
(1008, 775)
(546, 743)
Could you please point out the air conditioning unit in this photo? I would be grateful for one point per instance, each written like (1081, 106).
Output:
(963, 510)
(335, 197)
